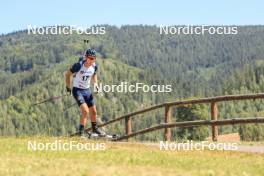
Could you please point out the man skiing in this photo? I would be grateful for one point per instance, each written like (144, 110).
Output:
(83, 72)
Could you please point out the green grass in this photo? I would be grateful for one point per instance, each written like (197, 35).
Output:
(122, 159)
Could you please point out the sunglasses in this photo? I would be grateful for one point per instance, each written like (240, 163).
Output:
(91, 57)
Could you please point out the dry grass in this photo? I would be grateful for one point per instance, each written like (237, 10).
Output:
(123, 159)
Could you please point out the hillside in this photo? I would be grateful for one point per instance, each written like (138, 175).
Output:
(32, 67)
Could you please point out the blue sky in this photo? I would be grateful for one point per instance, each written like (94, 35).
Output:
(18, 14)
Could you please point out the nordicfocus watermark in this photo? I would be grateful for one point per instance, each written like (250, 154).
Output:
(198, 30)
(67, 30)
(59, 145)
(203, 145)
(125, 87)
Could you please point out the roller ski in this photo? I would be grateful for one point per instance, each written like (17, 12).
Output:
(98, 134)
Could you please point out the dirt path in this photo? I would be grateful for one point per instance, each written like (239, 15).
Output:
(251, 149)
(240, 148)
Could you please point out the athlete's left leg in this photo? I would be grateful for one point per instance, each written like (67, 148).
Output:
(93, 113)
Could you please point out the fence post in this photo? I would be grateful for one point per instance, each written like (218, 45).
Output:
(128, 125)
(167, 132)
(214, 117)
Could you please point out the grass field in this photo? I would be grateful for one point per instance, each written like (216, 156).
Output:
(122, 159)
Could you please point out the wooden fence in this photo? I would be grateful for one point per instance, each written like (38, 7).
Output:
(214, 122)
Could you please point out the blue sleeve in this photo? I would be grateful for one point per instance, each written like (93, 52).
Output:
(95, 69)
(75, 67)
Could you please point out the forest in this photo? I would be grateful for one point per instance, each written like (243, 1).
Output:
(32, 67)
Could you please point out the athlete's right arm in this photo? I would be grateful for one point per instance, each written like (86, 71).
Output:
(68, 75)
(74, 68)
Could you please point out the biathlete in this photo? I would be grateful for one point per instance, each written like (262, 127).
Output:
(83, 72)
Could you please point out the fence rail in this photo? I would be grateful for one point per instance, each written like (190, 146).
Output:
(188, 124)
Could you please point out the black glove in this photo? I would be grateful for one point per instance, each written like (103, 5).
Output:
(68, 90)
(96, 89)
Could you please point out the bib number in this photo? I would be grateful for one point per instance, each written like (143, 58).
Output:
(84, 78)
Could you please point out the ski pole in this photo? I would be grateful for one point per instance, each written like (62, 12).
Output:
(50, 99)
(70, 106)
